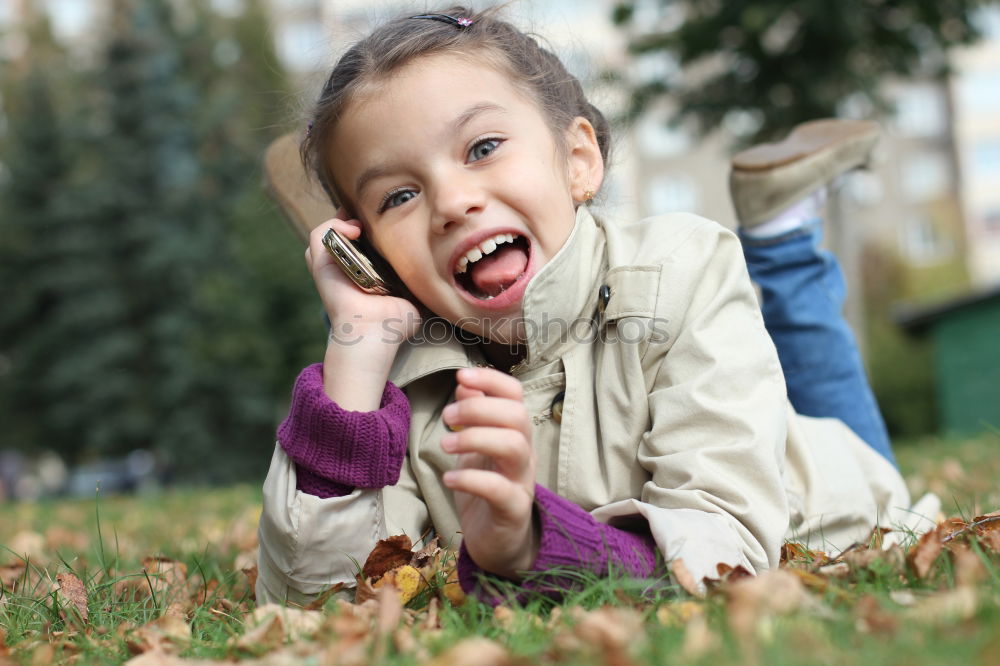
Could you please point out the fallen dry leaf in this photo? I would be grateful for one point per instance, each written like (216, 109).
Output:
(478, 651)
(71, 589)
(388, 554)
(405, 579)
(871, 618)
(699, 639)
(925, 552)
(797, 555)
(28, 545)
(164, 578)
(168, 634)
(685, 578)
(322, 598)
(677, 614)
(969, 568)
(960, 603)
(753, 600)
(453, 591)
(11, 575)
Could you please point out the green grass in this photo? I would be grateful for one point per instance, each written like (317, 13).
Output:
(880, 614)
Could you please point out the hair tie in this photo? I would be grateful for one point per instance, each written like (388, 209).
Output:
(458, 22)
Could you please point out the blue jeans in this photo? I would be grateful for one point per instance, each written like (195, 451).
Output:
(803, 291)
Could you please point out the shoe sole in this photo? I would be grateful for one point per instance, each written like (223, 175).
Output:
(300, 197)
(768, 178)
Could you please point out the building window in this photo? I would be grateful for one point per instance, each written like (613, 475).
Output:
(70, 19)
(922, 242)
(669, 193)
(979, 92)
(657, 139)
(920, 110)
(925, 176)
(985, 160)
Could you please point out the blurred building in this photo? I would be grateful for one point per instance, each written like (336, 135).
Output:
(933, 200)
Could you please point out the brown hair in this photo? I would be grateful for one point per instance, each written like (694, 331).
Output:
(532, 68)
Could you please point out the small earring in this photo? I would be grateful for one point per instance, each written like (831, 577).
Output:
(588, 195)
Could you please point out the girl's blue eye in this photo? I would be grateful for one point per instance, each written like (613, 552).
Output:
(396, 198)
(483, 149)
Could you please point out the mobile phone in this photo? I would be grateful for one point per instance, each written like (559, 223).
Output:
(354, 264)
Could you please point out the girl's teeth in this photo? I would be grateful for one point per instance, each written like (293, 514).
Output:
(484, 248)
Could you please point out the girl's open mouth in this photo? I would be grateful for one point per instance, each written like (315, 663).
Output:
(493, 266)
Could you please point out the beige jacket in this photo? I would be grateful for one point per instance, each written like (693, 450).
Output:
(674, 412)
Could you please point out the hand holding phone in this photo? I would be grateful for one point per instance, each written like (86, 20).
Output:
(354, 264)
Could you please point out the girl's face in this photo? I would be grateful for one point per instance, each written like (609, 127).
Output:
(459, 183)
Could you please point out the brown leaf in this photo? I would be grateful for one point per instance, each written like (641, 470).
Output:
(969, 569)
(388, 554)
(679, 613)
(426, 555)
(478, 651)
(991, 542)
(609, 628)
(797, 555)
(28, 545)
(11, 575)
(754, 599)
(685, 578)
(925, 552)
(271, 625)
(453, 591)
(731, 574)
(960, 603)
(168, 634)
(320, 601)
(363, 591)
(871, 618)
(699, 639)
(71, 590)
(167, 578)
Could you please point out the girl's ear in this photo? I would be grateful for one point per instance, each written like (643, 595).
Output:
(585, 164)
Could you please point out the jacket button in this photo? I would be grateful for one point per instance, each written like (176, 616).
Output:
(603, 296)
(557, 406)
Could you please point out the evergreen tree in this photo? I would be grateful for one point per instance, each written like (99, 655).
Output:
(785, 62)
(36, 262)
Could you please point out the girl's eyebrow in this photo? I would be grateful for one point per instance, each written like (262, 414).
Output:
(463, 119)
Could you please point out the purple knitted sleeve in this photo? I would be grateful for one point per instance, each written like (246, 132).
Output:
(336, 450)
(570, 538)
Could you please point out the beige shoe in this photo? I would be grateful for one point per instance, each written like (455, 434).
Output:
(302, 199)
(770, 177)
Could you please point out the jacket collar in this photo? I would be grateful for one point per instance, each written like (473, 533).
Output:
(562, 294)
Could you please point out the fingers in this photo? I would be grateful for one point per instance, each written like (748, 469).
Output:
(505, 496)
(488, 412)
(491, 382)
(506, 447)
(463, 392)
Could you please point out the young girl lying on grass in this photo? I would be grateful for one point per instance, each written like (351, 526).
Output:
(546, 387)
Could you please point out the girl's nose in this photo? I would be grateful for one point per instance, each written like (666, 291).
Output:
(456, 200)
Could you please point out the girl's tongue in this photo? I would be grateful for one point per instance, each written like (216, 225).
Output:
(498, 270)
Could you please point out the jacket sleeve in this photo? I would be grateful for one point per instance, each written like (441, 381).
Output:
(569, 539)
(714, 448)
(324, 493)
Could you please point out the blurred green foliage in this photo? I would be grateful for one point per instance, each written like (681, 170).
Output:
(782, 62)
(152, 297)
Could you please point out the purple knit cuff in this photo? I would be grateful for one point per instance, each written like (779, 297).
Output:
(570, 539)
(336, 450)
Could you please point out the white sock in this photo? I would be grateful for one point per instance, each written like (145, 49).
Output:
(799, 213)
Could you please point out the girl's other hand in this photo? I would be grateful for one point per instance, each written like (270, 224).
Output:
(494, 480)
(352, 311)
